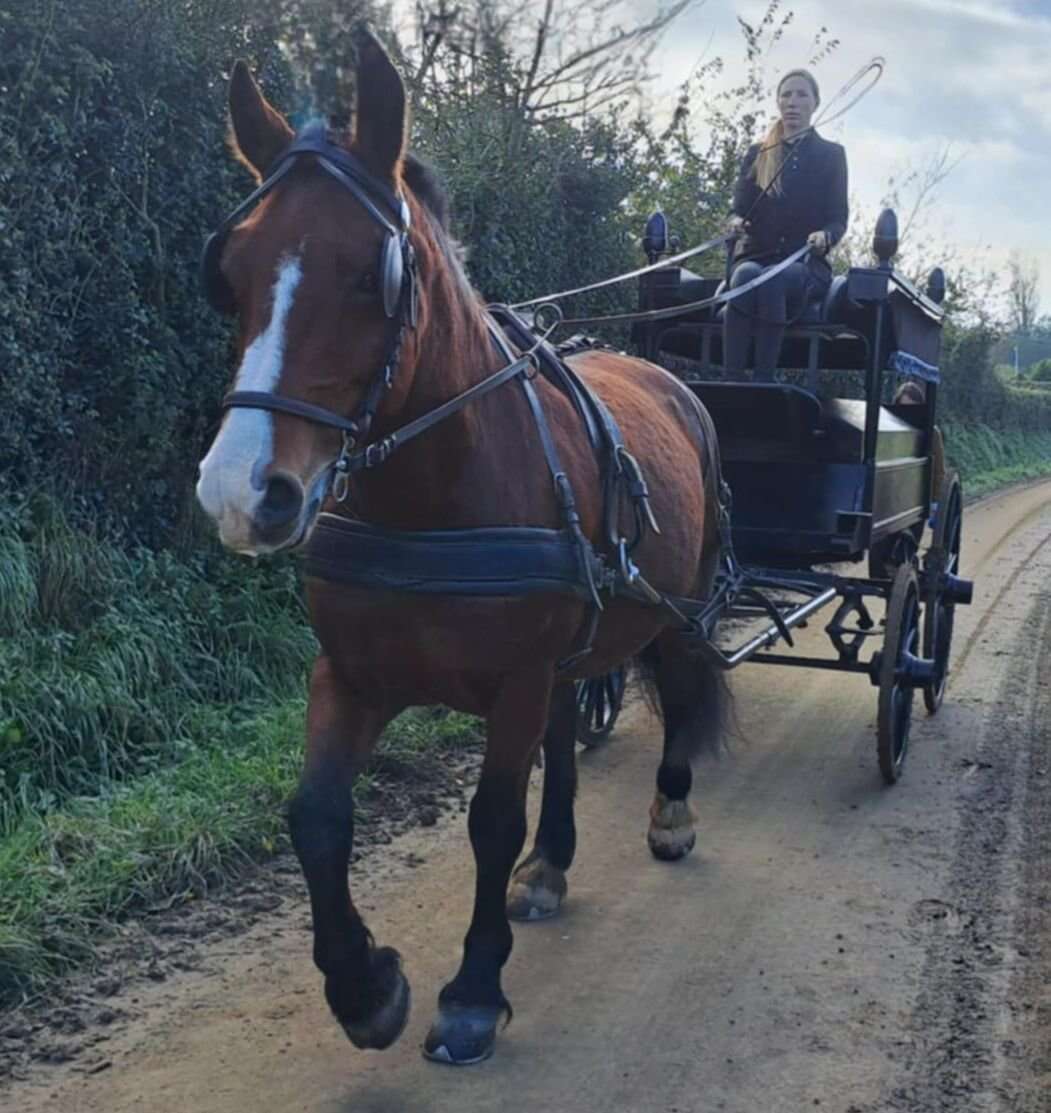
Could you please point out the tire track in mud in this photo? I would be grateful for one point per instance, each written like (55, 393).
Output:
(979, 1037)
(1006, 588)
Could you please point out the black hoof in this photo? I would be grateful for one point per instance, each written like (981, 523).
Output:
(463, 1034)
(390, 1013)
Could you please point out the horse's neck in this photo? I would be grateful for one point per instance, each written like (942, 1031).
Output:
(459, 472)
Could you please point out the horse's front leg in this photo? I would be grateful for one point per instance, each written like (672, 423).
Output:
(364, 985)
(471, 1005)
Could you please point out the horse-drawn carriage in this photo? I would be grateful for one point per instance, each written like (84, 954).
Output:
(818, 479)
(499, 523)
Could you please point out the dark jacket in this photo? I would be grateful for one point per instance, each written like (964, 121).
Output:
(813, 197)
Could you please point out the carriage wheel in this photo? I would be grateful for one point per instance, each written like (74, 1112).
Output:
(939, 610)
(900, 643)
(598, 705)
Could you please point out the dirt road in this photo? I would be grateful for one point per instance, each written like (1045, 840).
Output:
(832, 944)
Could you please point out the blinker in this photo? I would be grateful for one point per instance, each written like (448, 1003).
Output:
(392, 273)
(368, 190)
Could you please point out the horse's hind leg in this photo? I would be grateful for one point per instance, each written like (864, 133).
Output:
(364, 985)
(691, 693)
(538, 886)
(471, 1005)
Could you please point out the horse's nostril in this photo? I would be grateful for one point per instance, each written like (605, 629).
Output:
(282, 502)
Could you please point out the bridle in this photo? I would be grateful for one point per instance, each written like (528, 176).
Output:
(397, 282)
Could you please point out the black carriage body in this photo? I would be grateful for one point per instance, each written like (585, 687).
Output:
(814, 479)
(818, 479)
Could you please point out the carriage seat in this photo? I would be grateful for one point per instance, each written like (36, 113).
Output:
(771, 422)
(761, 421)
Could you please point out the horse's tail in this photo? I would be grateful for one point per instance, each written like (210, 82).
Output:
(669, 669)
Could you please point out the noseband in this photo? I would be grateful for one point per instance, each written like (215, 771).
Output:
(397, 271)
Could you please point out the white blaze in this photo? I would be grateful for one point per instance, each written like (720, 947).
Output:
(230, 485)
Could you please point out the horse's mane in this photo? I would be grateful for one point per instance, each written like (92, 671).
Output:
(428, 187)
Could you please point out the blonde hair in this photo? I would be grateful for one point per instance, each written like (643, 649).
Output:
(768, 160)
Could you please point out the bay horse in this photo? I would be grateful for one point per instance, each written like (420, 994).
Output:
(355, 319)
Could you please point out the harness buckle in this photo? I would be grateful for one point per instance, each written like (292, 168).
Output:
(629, 571)
(377, 452)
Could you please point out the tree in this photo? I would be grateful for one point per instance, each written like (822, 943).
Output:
(569, 63)
(1023, 299)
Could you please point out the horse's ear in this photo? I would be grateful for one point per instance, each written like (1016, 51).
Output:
(381, 119)
(260, 132)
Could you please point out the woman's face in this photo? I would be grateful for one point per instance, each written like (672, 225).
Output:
(795, 99)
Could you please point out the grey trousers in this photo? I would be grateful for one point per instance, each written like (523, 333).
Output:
(763, 313)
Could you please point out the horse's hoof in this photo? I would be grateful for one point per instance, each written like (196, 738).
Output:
(671, 835)
(387, 1021)
(536, 891)
(670, 846)
(463, 1034)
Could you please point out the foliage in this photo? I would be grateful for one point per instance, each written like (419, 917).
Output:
(111, 136)
(1040, 372)
(104, 652)
(973, 393)
(988, 458)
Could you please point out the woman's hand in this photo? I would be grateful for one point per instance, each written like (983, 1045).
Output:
(735, 225)
(818, 242)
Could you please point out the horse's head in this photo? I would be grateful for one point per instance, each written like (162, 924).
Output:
(317, 268)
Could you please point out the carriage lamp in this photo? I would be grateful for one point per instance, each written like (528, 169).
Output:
(655, 238)
(936, 285)
(885, 240)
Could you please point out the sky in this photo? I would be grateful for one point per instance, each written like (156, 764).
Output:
(971, 75)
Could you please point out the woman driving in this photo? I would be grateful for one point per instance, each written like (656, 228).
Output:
(791, 191)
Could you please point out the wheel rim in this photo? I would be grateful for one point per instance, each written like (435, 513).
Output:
(896, 690)
(939, 613)
(903, 694)
(598, 704)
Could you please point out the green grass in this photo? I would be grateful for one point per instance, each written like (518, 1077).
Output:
(988, 458)
(104, 654)
(69, 874)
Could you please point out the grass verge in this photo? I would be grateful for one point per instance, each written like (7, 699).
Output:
(989, 458)
(68, 874)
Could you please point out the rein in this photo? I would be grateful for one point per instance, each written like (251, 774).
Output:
(724, 298)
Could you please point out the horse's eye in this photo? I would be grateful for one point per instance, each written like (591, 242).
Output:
(368, 283)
